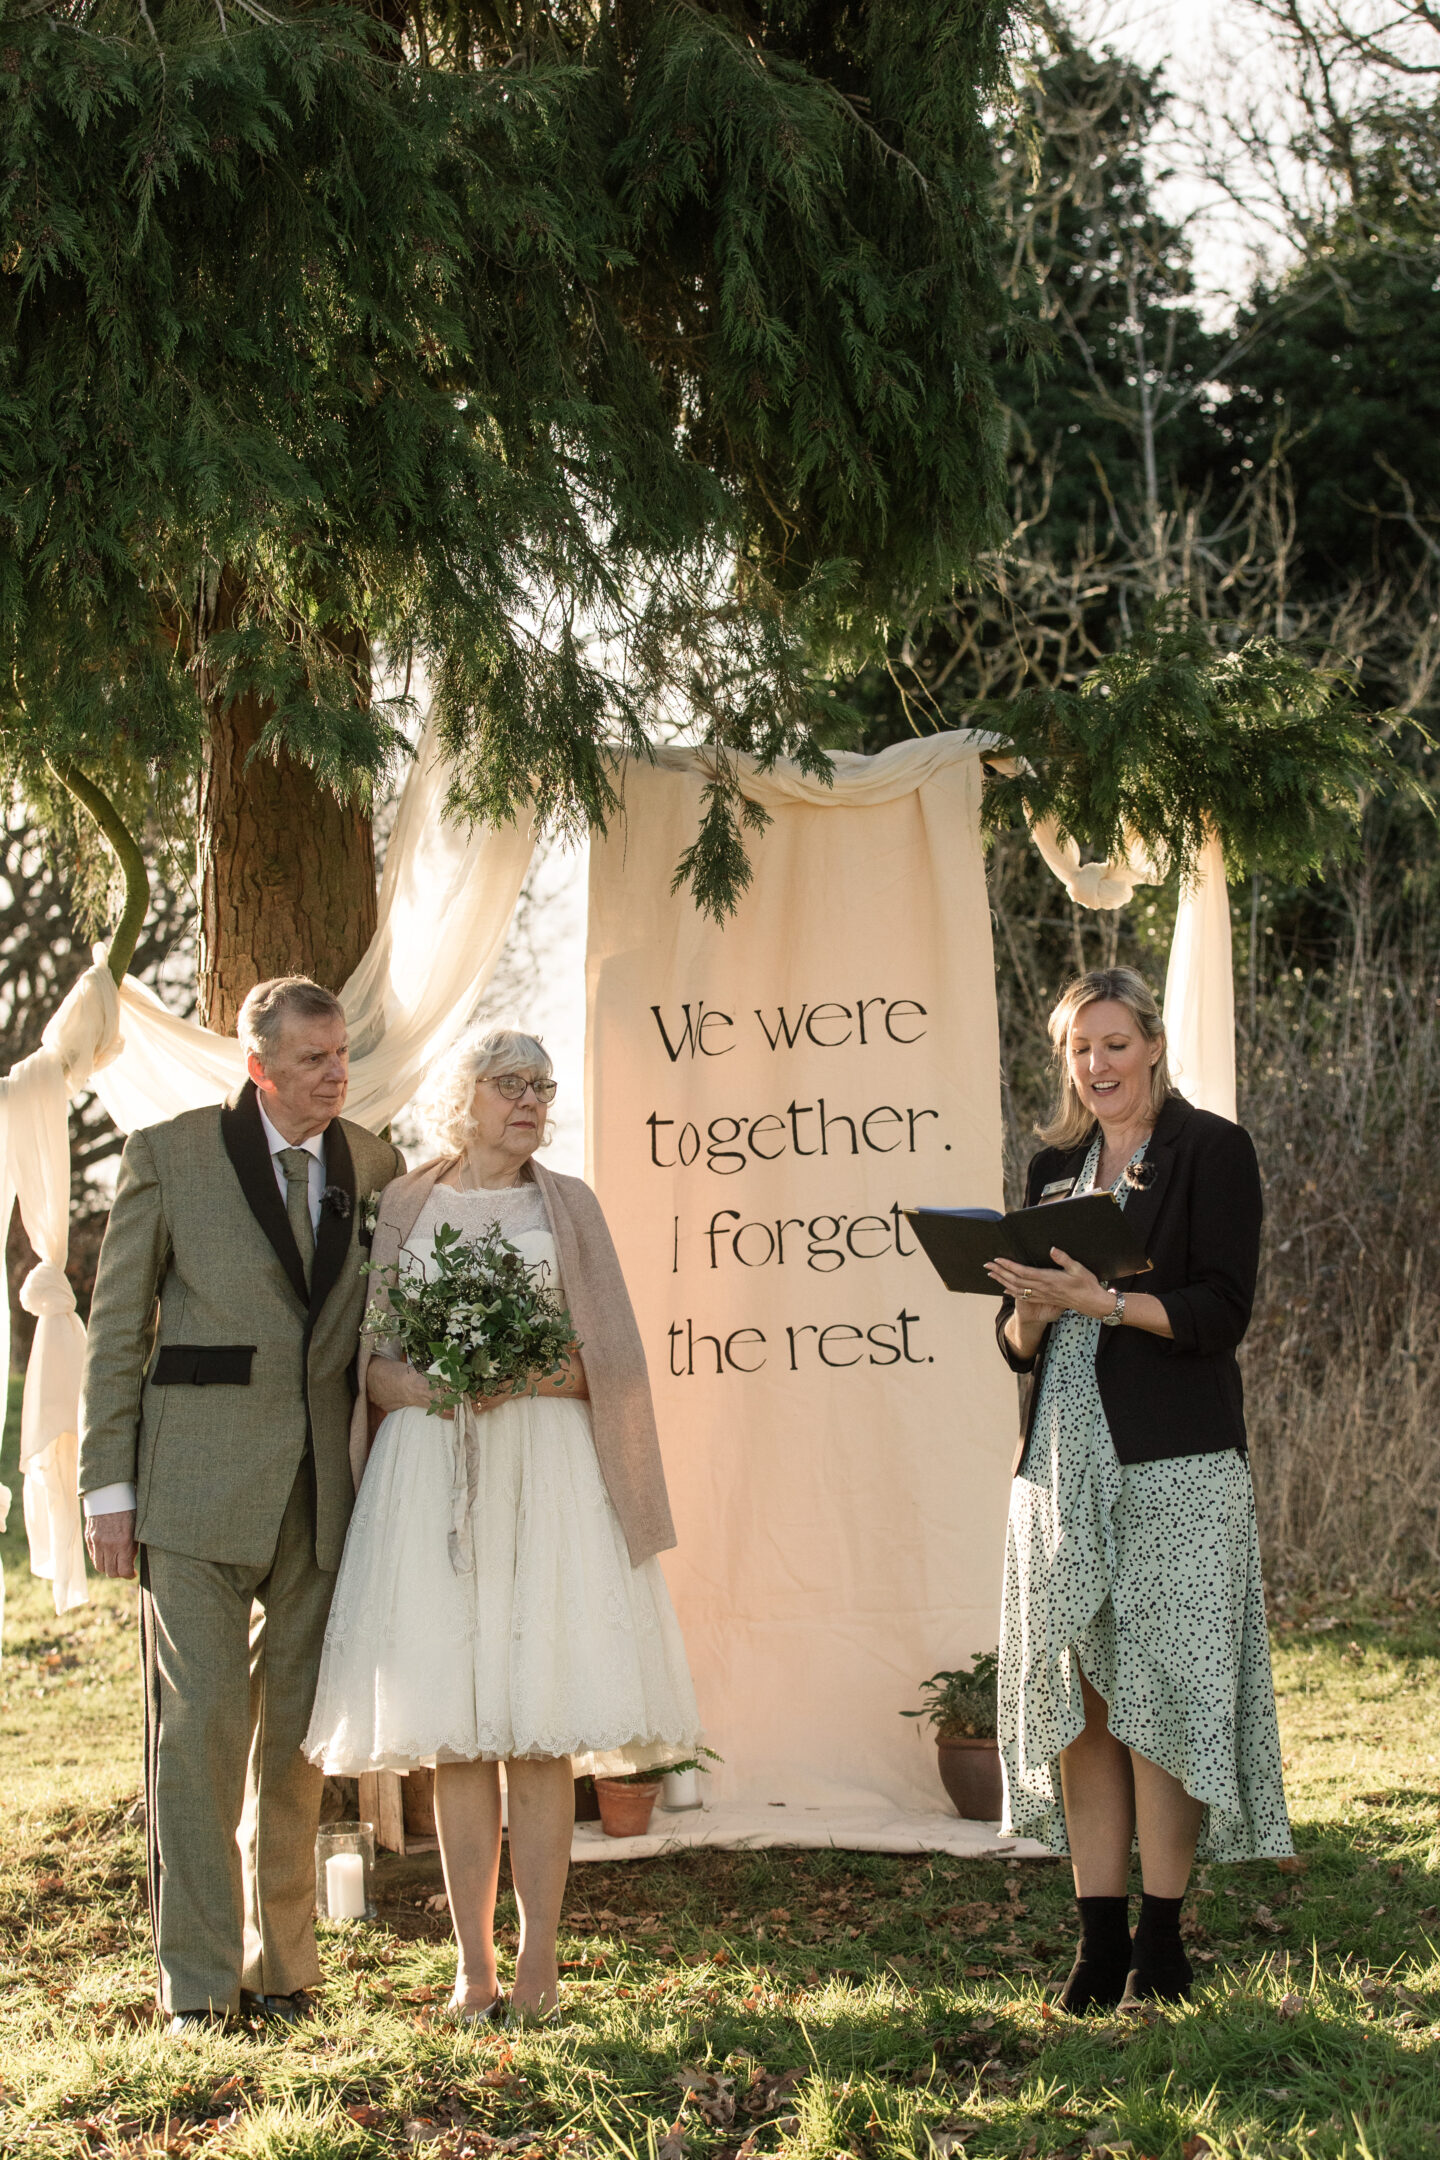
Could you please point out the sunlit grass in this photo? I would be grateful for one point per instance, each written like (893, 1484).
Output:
(815, 2004)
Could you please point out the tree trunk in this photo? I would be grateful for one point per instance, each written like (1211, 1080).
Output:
(286, 872)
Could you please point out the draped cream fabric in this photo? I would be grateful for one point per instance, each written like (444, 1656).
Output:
(446, 900)
(763, 1100)
(1199, 982)
(1200, 990)
(445, 904)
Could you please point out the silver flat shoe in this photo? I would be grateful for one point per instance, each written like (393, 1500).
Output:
(534, 2020)
(474, 2013)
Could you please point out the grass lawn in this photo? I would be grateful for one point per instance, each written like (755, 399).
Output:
(809, 2004)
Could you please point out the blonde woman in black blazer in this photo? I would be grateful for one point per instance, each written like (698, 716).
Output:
(1135, 1693)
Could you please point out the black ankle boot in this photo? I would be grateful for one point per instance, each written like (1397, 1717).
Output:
(1159, 1968)
(1097, 1979)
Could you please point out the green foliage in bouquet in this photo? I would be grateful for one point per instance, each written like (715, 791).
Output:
(962, 1705)
(476, 1322)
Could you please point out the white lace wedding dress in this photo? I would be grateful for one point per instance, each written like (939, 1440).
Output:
(486, 1605)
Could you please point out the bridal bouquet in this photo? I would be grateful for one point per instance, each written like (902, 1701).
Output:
(477, 1322)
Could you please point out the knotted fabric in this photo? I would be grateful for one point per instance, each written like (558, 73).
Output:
(46, 1291)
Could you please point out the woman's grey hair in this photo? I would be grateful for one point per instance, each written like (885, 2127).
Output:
(1071, 1122)
(266, 1009)
(444, 1102)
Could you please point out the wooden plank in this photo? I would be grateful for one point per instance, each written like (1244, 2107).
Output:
(382, 1803)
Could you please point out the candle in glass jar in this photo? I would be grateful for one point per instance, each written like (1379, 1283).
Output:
(345, 1886)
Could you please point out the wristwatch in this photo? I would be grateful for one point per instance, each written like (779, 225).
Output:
(1116, 1316)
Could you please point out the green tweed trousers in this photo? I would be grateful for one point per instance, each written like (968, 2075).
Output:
(231, 1655)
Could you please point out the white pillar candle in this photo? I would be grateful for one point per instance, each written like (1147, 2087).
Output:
(345, 1886)
(681, 1790)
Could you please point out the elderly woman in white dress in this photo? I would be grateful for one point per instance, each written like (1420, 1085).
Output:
(499, 1598)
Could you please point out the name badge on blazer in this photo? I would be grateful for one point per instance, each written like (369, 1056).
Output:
(1060, 1189)
(203, 1365)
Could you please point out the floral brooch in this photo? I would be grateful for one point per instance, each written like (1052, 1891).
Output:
(1140, 1176)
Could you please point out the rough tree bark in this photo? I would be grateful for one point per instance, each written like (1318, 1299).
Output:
(286, 872)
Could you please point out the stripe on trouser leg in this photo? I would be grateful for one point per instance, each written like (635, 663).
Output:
(150, 1680)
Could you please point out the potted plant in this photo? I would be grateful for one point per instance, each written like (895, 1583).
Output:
(681, 1780)
(961, 1706)
(627, 1803)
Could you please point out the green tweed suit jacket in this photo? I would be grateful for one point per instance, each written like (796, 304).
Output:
(247, 1375)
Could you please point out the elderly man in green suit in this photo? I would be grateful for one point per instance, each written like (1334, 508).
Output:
(214, 1448)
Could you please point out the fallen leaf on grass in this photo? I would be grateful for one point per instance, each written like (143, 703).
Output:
(233, 2084)
(767, 2089)
(1195, 2148)
(972, 1916)
(713, 2094)
(672, 2145)
(420, 1995)
(365, 2115)
(1264, 1918)
(1277, 2092)
(1293, 1864)
(439, 1903)
(1290, 2006)
(423, 2129)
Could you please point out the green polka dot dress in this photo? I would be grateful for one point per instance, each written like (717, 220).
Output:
(1147, 1577)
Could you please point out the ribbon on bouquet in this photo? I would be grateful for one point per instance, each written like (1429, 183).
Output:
(464, 1485)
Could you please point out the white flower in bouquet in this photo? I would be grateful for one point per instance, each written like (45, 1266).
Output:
(477, 1322)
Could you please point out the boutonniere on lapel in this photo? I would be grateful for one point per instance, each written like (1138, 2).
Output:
(1140, 1176)
(335, 1201)
(369, 1217)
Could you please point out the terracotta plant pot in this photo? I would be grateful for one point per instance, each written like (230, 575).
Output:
(625, 1809)
(970, 1773)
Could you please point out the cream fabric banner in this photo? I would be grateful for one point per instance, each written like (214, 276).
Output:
(763, 1100)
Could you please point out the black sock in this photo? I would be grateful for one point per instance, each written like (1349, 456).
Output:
(1159, 1968)
(1103, 1958)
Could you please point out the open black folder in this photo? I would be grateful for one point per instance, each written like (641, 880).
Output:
(1091, 1230)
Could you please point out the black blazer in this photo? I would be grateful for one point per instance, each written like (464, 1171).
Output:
(1200, 1218)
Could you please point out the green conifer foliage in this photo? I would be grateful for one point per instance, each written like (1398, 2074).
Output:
(608, 360)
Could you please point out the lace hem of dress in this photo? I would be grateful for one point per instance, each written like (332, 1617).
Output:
(612, 1757)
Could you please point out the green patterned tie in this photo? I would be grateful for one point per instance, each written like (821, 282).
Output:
(296, 1163)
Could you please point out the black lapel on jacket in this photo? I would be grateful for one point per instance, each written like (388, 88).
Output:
(332, 1239)
(1142, 1209)
(249, 1154)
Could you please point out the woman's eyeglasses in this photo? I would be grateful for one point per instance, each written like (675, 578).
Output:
(513, 1085)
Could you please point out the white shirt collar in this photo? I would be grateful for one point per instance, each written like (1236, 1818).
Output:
(315, 1145)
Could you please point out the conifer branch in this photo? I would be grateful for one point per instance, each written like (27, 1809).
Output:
(126, 934)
